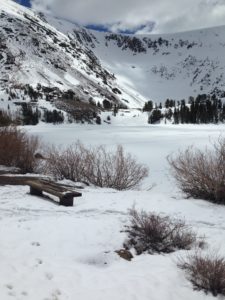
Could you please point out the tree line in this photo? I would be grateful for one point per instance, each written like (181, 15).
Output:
(203, 109)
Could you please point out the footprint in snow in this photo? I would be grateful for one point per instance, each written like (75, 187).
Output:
(37, 244)
(49, 276)
(9, 286)
(39, 262)
(55, 295)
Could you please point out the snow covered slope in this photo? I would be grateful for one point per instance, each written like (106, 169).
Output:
(171, 66)
(161, 66)
(54, 56)
(33, 52)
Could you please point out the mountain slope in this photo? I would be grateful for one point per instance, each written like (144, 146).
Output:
(35, 53)
(160, 66)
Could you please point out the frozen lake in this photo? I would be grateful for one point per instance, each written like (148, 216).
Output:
(151, 144)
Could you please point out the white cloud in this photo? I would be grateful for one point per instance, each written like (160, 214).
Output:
(169, 16)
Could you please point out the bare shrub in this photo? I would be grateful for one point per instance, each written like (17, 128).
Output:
(117, 169)
(17, 149)
(201, 174)
(7, 119)
(152, 233)
(69, 163)
(206, 272)
(96, 166)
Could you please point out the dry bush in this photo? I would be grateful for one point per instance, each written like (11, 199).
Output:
(152, 233)
(96, 166)
(117, 169)
(201, 174)
(17, 149)
(206, 272)
(7, 119)
(69, 163)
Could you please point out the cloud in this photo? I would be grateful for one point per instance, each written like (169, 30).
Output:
(139, 16)
(123, 27)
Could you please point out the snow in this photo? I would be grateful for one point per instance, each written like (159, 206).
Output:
(71, 79)
(52, 252)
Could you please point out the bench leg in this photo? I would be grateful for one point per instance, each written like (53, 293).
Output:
(66, 201)
(35, 192)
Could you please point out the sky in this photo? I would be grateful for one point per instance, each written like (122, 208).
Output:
(136, 16)
(25, 2)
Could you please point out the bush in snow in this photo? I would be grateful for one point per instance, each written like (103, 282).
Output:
(69, 163)
(206, 272)
(17, 149)
(97, 166)
(153, 233)
(201, 174)
(117, 169)
(7, 119)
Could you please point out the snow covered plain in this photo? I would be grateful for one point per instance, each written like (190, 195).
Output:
(56, 253)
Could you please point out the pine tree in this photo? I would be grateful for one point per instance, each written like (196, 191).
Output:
(148, 106)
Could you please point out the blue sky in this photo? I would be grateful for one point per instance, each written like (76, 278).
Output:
(98, 27)
(25, 2)
(139, 16)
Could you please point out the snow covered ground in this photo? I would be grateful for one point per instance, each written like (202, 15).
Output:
(56, 253)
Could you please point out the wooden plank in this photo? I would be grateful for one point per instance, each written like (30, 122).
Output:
(59, 188)
(48, 189)
(19, 180)
(25, 180)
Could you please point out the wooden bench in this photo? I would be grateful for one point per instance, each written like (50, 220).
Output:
(64, 193)
(38, 185)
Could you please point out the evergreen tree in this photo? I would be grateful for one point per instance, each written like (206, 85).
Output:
(98, 120)
(115, 110)
(148, 106)
(155, 116)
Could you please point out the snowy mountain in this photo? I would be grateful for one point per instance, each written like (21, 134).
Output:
(38, 61)
(163, 66)
(48, 60)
